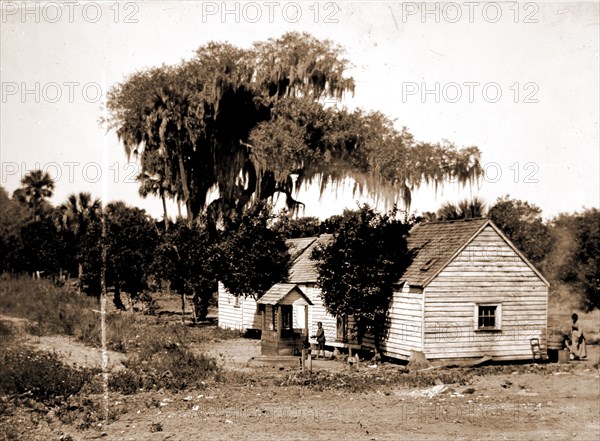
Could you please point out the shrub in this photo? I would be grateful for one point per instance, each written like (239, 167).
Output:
(127, 382)
(174, 368)
(41, 376)
(368, 380)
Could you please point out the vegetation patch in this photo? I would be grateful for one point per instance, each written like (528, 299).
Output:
(163, 359)
(174, 368)
(42, 377)
(6, 333)
(370, 381)
(50, 309)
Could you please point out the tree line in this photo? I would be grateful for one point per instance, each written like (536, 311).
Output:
(142, 255)
(248, 252)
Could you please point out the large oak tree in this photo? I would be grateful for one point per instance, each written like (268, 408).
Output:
(243, 124)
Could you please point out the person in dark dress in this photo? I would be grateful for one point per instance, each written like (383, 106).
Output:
(320, 336)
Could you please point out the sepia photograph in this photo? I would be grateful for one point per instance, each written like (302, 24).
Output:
(299, 220)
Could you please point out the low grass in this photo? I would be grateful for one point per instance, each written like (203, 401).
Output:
(52, 310)
(41, 376)
(160, 357)
(160, 354)
(49, 309)
(369, 380)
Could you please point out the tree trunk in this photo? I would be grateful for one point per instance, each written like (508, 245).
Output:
(194, 309)
(80, 277)
(182, 308)
(186, 190)
(164, 203)
(200, 301)
(117, 298)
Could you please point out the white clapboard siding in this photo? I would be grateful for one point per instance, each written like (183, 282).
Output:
(487, 270)
(230, 316)
(242, 317)
(317, 313)
(252, 319)
(405, 323)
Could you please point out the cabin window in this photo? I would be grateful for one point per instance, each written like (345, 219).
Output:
(237, 302)
(488, 316)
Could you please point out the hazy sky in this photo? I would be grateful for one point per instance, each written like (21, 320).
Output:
(520, 81)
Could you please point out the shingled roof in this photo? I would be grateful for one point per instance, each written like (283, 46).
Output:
(303, 268)
(297, 246)
(279, 291)
(434, 244)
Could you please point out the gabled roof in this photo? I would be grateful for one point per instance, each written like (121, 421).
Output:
(297, 246)
(436, 244)
(303, 269)
(280, 291)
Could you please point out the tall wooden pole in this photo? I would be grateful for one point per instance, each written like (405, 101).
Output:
(103, 289)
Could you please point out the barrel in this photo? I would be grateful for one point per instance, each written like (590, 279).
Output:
(555, 342)
(554, 347)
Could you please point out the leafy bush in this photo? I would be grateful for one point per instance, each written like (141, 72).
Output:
(252, 257)
(359, 266)
(162, 360)
(174, 368)
(127, 382)
(185, 259)
(42, 376)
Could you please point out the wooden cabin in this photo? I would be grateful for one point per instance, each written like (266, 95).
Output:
(468, 292)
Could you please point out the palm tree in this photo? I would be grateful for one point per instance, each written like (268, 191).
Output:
(77, 213)
(472, 208)
(465, 209)
(154, 180)
(448, 211)
(37, 186)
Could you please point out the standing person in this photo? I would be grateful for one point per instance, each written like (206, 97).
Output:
(578, 344)
(320, 339)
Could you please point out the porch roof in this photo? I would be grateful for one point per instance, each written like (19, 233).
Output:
(283, 294)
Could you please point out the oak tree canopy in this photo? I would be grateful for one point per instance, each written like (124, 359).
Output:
(243, 124)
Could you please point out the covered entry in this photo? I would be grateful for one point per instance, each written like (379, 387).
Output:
(284, 310)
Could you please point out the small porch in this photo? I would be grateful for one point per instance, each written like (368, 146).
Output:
(283, 308)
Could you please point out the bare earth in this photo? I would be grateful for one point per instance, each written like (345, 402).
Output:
(530, 406)
(544, 403)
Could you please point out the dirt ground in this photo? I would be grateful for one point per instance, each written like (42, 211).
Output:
(536, 403)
